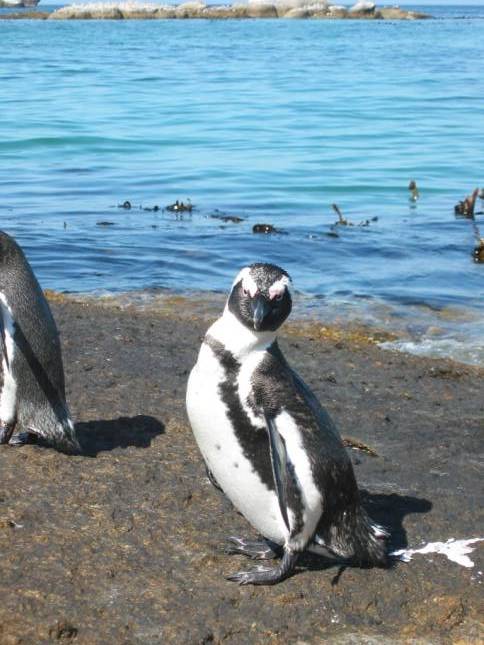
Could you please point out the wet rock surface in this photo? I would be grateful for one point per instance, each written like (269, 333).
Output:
(124, 543)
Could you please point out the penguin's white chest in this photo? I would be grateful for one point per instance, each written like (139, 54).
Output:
(209, 416)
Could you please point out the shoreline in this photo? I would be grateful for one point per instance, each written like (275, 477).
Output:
(124, 542)
(303, 322)
(254, 9)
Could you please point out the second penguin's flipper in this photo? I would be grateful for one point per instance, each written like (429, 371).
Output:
(266, 575)
(6, 322)
(279, 465)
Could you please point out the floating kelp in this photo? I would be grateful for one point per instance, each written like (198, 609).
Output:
(223, 217)
(266, 229)
(466, 207)
(342, 221)
(478, 252)
(180, 207)
(105, 223)
(414, 192)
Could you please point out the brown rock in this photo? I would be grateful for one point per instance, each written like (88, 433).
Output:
(261, 10)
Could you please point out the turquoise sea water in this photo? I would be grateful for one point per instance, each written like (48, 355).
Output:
(269, 121)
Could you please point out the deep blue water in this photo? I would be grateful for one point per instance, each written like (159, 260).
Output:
(271, 121)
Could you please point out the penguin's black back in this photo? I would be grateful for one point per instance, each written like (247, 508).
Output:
(37, 359)
(344, 526)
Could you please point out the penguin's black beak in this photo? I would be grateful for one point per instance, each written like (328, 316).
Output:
(260, 309)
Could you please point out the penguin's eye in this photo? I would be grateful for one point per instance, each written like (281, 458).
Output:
(279, 297)
(246, 292)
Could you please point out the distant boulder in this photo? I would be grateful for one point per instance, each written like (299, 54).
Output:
(259, 9)
(363, 7)
(190, 10)
(283, 7)
(297, 13)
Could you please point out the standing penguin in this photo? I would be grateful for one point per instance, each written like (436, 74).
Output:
(32, 392)
(267, 441)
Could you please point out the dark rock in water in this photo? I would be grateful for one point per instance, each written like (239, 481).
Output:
(104, 223)
(466, 207)
(265, 228)
(126, 205)
(155, 209)
(180, 207)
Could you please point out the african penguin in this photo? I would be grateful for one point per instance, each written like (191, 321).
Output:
(268, 443)
(32, 393)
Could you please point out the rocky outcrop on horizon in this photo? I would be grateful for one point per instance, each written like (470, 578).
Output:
(289, 9)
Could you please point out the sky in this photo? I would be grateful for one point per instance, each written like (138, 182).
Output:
(421, 3)
(455, 3)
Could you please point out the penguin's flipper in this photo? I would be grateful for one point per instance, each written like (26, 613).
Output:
(279, 465)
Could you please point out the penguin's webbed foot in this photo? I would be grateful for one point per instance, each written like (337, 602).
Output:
(256, 550)
(266, 575)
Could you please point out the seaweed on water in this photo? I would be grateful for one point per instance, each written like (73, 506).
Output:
(266, 229)
(466, 207)
(414, 192)
(342, 221)
(180, 207)
(223, 217)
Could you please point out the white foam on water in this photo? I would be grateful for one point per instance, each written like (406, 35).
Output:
(469, 351)
(454, 550)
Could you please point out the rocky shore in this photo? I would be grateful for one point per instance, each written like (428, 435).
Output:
(296, 9)
(123, 544)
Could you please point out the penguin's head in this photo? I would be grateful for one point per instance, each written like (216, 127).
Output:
(261, 298)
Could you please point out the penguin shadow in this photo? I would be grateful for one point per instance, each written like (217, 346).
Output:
(107, 434)
(387, 510)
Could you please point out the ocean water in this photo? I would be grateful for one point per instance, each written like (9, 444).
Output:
(268, 121)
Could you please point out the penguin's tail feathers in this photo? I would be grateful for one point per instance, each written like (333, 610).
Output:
(59, 433)
(69, 441)
(356, 539)
(6, 330)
